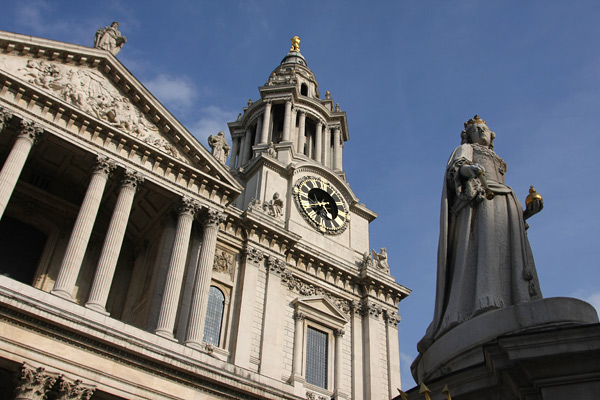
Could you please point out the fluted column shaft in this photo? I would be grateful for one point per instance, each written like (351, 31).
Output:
(319, 142)
(301, 132)
(170, 299)
(264, 135)
(293, 130)
(195, 331)
(247, 146)
(28, 135)
(287, 117)
(258, 132)
(82, 230)
(113, 243)
(337, 150)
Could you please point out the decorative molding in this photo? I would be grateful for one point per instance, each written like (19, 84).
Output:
(254, 255)
(30, 130)
(70, 389)
(339, 332)
(132, 178)
(34, 382)
(391, 317)
(104, 165)
(307, 289)
(275, 266)
(315, 396)
(371, 309)
(224, 262)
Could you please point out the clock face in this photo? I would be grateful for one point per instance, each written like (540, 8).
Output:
(321, 205)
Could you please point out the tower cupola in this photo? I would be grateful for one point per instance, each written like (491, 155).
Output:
(290, 121)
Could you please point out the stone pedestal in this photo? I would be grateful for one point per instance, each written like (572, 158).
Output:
(537, 350)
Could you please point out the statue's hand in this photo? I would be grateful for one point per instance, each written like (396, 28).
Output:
(533, 208)
(471, 171)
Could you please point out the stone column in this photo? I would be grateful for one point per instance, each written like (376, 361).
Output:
(113, 242)
(253, 260)
(293, 130)
(393, 351)
(301, 132)
(247, 147)
(357, 350)
(235, 152)
(338, 365)
(326, 158)
(170, 298)
(258, 132)
(195, 331)
(372, 326)
(264, 135)
(33, 383)
(82, 230)
(242, 155)
(287, 117)
(337, 149)
(271, 352)
(28, 135)
(297, 372)
(319, 142)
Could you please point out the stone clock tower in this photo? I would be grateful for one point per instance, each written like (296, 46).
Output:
(287, 151)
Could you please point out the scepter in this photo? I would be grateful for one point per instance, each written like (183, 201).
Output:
(488, 192)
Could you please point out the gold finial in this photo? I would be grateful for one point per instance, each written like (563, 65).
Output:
(446, 391)
(533, 195)
(475, 120)
(295, 43)
(424, 390)
(327, 95)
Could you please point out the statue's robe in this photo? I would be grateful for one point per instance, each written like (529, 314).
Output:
(484, 258)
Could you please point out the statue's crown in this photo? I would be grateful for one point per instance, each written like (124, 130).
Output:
(475, 120)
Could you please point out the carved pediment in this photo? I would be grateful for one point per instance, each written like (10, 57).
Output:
(320, 309)
(92, 93)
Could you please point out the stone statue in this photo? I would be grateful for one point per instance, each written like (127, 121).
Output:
(484, 258)
(380, 259)
(274, 207)
(219, 146)
(110, 39)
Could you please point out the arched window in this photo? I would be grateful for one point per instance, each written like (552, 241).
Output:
(304, 89)
(214, 316)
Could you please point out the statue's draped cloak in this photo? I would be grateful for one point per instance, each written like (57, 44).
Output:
(484, 258)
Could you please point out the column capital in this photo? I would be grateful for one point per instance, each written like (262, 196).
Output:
(132, 178)
(104, 165)
(34, 382)
(338, 332)
(5, 116)
(391, 318)
(275, 265)
(30, 130)
(253, 255)
(188, 206)
(299, 316)
(213, 217)
(75, 389)
(302, 113)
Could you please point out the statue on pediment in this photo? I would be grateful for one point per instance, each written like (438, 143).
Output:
(274, 207)
(110, 39)
(219, 146)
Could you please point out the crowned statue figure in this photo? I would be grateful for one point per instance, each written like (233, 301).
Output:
(110, 39)
(484, 258)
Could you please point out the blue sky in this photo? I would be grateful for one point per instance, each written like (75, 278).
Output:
(408, 74)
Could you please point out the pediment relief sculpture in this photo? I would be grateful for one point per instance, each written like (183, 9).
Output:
(89, 91)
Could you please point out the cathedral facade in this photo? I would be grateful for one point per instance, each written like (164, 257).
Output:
(137, 264)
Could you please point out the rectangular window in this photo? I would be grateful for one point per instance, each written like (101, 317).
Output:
(316, 357)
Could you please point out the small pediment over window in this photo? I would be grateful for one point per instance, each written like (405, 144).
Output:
(320, 309)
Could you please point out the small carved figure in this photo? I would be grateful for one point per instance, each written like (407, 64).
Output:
(110, 39)
(271, 150)
(274, 207)
(380, 259)
(484, 258)
(254, 204)
(367, 260)
(219, 146)
(337, 107)
(223, 262)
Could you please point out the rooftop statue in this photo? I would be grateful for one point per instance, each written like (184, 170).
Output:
(219, 146)
(295, 43)
(110, 39)
(484, 258)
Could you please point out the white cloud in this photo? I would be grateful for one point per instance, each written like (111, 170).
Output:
(177, 91)
(212, 120)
